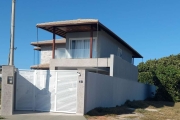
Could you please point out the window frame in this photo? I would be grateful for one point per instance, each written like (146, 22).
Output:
(71, 39)
(83, 38)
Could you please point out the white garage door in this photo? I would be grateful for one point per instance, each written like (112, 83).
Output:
(44, 90)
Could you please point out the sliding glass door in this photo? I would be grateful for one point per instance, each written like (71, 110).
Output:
(80, 48)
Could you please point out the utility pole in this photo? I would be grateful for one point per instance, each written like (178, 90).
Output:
(11, 56)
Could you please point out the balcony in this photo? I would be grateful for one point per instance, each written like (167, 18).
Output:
(62, 53)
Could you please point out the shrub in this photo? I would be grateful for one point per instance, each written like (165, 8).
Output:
(163, 73)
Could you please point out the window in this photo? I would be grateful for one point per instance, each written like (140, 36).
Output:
(80, 48)
(119, 52)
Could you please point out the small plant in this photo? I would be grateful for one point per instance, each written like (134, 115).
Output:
(99, 109)
(140, 111)
(178, 111)
(127, 101)
(131, 117)
(2, 117)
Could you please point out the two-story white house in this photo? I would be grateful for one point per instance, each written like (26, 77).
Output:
(88, 67)
(85, 43)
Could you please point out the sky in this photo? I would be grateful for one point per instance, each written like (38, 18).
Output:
(151, 27)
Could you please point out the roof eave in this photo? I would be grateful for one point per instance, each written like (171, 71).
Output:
(52, 24)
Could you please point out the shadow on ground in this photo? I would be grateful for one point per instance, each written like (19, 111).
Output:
(129, 108)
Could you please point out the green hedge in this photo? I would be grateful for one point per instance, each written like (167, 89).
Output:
(165, 74)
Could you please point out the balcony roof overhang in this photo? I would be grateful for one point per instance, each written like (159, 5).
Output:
(61, 28)
(48, 42)
(41, 66)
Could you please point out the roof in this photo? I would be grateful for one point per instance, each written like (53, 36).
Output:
(37, 48)
(40, 66)
(68, 22)
(48, 42)
(82, 25)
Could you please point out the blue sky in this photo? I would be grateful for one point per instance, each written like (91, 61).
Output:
(152, 27)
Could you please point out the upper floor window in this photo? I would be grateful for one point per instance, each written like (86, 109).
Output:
(80, 47)
(119, 53)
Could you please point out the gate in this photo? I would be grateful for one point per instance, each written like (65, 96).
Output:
(66, 92)
(24, 90)
(47, 90)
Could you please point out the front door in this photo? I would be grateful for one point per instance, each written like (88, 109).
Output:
(66, 92)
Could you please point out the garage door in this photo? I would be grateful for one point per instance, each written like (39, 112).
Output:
(44, 90)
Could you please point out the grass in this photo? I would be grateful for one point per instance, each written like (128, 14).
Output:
(2, 117)
(131, 117)
(165, 111)
(140, 111)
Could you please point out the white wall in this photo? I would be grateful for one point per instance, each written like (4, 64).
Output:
(79, 63)
(123, 69)
(106, 44)
(106, 91)
(109, 46)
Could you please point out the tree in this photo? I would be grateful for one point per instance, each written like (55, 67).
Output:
(163, 73)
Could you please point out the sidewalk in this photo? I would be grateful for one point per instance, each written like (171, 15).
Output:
(25, 115)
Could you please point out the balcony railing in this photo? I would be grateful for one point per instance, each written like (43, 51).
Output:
(74, 53)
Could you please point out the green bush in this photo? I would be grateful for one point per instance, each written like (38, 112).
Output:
(163, 73)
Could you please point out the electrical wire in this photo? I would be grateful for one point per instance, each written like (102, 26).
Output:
(34, 59)
(37, 51)
(97, 47)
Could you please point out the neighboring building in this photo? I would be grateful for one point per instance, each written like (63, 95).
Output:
(89, 67)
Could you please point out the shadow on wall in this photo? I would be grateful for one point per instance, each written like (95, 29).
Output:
(29, 96)
(161, 93)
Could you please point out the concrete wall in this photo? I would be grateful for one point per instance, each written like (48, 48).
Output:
(46, 53)
(102, 62)
(106, 91)
(81, 91)
(118, 67)
(122, 69)
(108, 45)
(7, 91)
